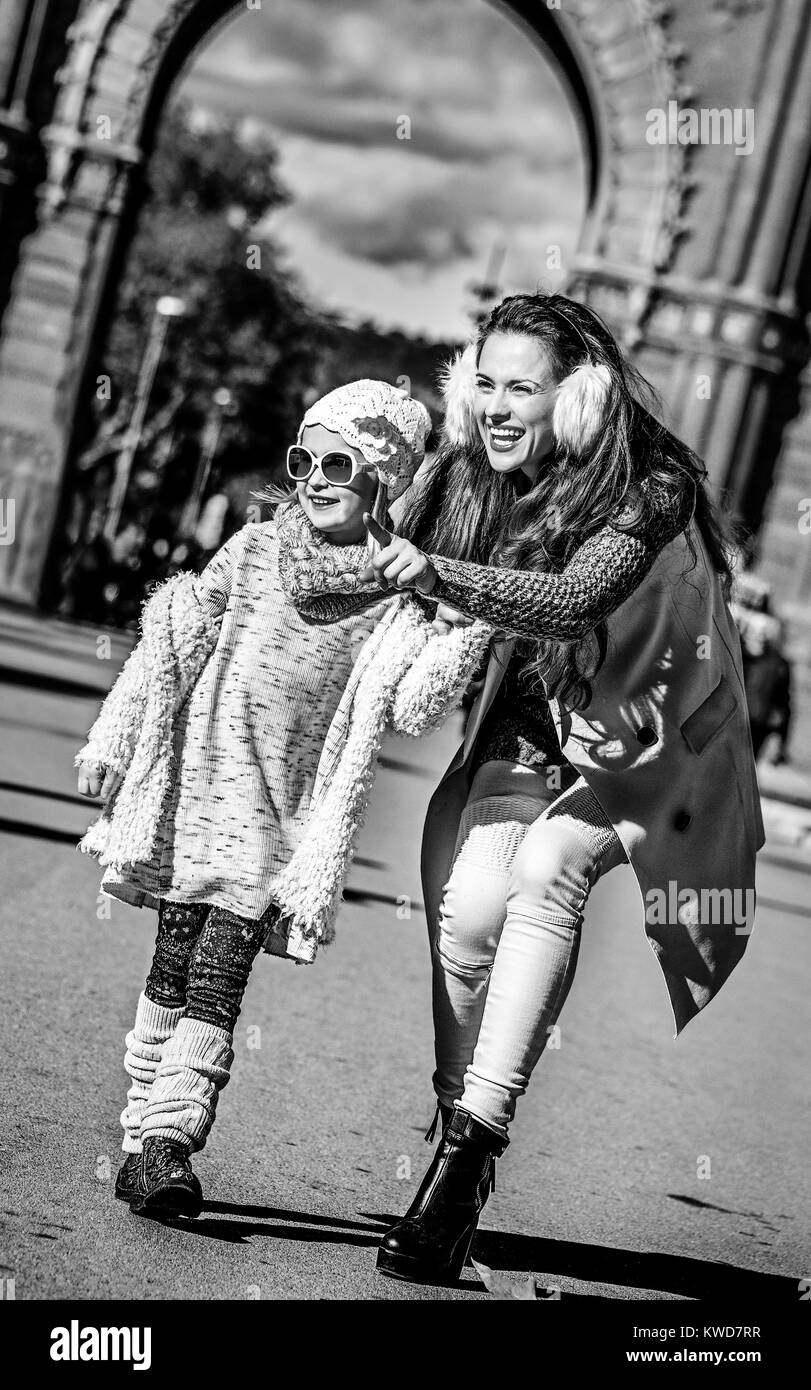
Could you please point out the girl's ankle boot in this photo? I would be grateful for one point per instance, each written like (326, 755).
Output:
(166, 1185)
(432, 1242)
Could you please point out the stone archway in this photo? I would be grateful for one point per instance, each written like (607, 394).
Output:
(722, 306)
(122, 57)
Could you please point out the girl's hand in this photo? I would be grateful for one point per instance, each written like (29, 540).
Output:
(98, 781)
(399, 565)
(448, 618)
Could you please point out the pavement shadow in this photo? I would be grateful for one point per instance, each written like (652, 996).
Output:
(235, 1223)
(681, 1275)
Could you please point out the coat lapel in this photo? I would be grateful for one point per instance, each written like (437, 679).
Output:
(500, 652)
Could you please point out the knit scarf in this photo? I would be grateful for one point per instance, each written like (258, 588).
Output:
(312, 567)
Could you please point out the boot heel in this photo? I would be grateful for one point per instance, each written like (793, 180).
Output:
(398, 1265)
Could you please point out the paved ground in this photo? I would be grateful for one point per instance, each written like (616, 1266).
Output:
(319, 1136)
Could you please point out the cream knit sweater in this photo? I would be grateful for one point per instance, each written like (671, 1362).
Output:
(247, 742)
(270, 709)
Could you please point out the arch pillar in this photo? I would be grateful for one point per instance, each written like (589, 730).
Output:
(119, 55)
(95, 152)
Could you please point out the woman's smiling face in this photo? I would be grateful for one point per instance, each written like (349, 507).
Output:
(515, 397)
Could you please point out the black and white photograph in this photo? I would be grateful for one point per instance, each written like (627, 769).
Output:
(405, 652)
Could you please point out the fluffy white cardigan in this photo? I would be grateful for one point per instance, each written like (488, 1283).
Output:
(406, 677)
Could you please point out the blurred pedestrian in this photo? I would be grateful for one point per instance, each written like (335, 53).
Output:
(86, 577)
(766, 669)
(767, 679)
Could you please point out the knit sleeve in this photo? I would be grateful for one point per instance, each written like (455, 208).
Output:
(601, 574)
(112, 739)
(332, 607)
(213, 585)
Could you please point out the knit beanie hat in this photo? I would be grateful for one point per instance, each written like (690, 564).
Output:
(387, 425)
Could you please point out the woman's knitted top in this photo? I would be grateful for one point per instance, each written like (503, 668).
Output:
(518, 727)
(601, 574)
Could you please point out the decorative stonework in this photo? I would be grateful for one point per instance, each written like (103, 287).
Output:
(94, 145)
(646, 188)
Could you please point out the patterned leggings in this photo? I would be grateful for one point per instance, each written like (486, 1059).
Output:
(203, 958)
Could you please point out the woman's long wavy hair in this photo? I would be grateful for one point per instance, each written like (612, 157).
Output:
(465, 510)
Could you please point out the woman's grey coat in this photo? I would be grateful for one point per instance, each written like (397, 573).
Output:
(665, 746)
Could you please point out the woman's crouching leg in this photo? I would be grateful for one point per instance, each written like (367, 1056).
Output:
(560, 859)
(471, 917)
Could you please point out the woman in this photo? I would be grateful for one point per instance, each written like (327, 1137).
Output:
(607, 559)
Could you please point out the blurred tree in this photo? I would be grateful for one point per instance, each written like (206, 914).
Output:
(390, 354)
(202, 235)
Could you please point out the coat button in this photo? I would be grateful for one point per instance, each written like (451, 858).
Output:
(646, 734)
(681, 820)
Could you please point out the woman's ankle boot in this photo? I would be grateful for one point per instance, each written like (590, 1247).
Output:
(432, 1242)
(442, 1115)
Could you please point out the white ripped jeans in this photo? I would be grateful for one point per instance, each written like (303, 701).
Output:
(508, 934)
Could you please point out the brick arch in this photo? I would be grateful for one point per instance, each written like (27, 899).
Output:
(122, 58)
(723, 304)
(613, 55)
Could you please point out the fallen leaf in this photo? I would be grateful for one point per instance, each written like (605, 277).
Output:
(500, 1285)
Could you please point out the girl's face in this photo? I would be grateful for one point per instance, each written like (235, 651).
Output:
(515, 397)
(337, 511)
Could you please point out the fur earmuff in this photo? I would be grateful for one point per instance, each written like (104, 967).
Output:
(457, 382)
(580, 407)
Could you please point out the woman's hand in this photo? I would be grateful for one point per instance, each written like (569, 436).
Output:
(399, 565)
(98, 781)
(448, 618)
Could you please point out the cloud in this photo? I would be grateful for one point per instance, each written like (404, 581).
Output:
(493, 153)
(403, 207)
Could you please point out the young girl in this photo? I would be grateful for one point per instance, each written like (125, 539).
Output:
(236, 751)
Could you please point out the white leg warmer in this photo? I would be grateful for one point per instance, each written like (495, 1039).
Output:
(194, 1068)
(153, 1026)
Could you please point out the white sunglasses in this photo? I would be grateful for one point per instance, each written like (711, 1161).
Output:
(337, 467)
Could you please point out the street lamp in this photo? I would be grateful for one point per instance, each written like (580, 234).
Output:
(167, 307)
(222, 404)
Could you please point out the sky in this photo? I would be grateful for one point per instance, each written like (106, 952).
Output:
(395, 229)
